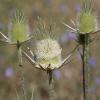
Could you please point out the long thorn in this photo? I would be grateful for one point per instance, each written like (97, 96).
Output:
(4, 36)
(73, 22)
(97, 31)
(30, 52)
(32, 61)
(69, 27)
(66, 60)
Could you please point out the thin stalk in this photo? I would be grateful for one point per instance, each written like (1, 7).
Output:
(17, 95)
(86, 68)
(32, 96)
(51, 86)
(22, 78)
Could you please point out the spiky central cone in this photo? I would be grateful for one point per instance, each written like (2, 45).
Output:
(48, 52)
(87, 22)
(19, 31)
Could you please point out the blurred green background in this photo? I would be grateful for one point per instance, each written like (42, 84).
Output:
(68, 80)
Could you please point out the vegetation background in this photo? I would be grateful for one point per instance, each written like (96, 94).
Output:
(68, 80)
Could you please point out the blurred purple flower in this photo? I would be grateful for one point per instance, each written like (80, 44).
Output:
(97, 80)
(68, 36)
(2, 25)
(78, 7)
(92, 89)
(72, 36)
(63, 8)
(57, 74)
(64, 38)
(92, 62)
(9, 72)
(48, 2)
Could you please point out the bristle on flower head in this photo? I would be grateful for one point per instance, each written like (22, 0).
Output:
(87, 18)
(18, 28)
(44, 29)
(87, 5)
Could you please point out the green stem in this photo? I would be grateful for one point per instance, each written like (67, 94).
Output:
(22, 78)
(51, 86)
(86, 68)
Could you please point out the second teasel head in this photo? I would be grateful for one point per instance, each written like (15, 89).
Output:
(87, 19)
(18, 29)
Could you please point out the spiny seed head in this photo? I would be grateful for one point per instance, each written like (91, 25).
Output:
(48, 51)
(18, 28)
(87, 22)
(87, 18)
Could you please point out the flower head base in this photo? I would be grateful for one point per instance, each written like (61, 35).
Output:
(18, 29)
(48, 52)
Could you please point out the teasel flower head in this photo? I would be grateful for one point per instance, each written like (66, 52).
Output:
(47, 50)
(87, 19)
(18, 29)
(86, 24)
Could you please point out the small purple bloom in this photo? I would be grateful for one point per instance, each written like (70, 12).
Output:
(48, 2)
(9, 72)
(72, 36)
(64, 38)
(2, 25)
(57, 74)
(63, 8)
(92, 89)
(97, 80)
(68, 36)
(92, 62)
(78, 8)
